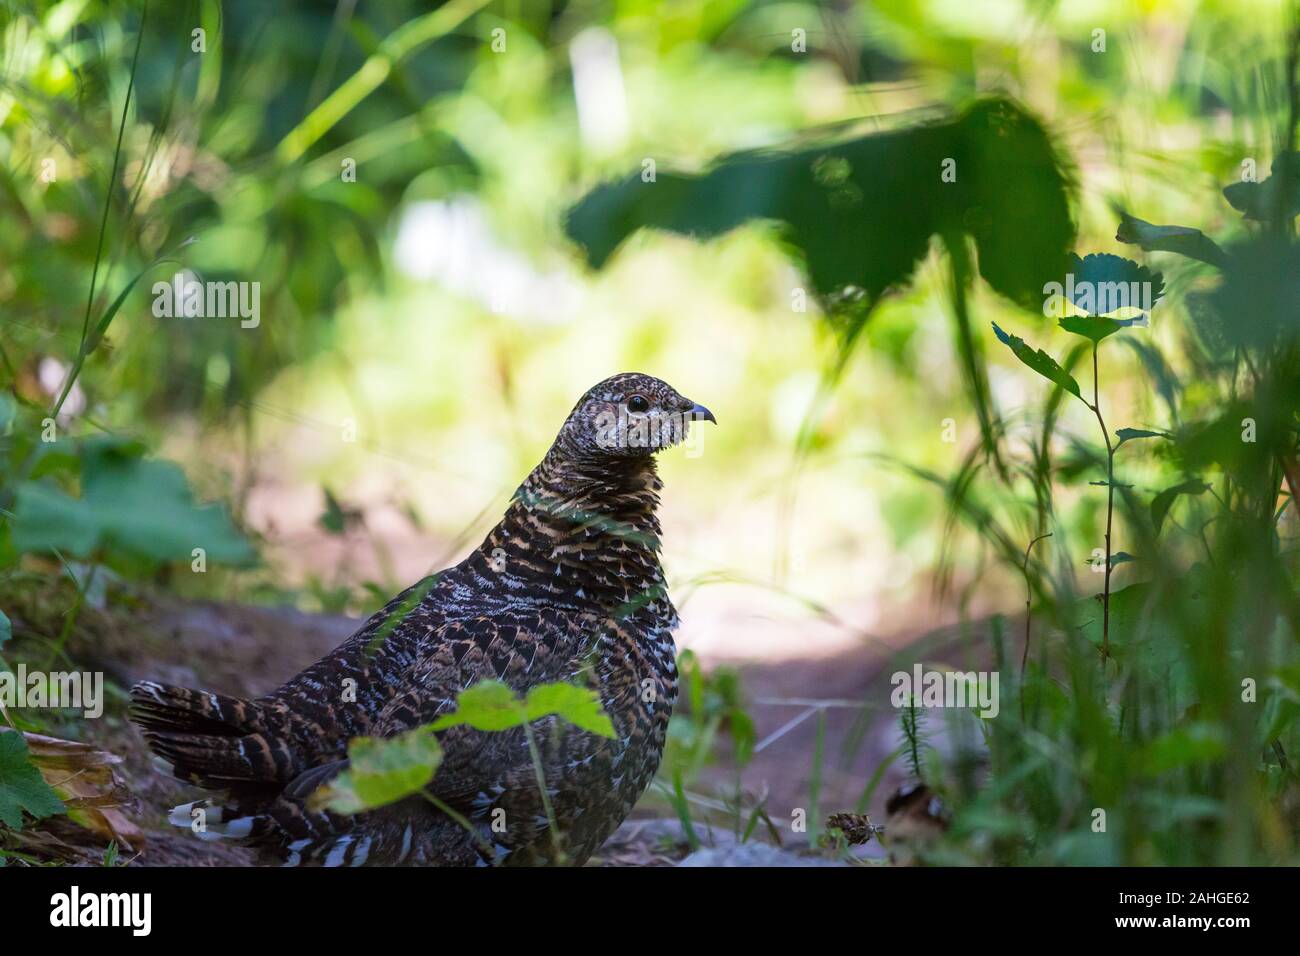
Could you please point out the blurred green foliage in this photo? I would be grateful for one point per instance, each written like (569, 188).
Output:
(862, 213)
(129, 506)
(125, 134)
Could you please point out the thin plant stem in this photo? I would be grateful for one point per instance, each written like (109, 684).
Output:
(75, 371)
(1029, 596)
(1110, 505)
(815, 785)
(560, 857)
(460, 819)
(70, 621)
(681, 804)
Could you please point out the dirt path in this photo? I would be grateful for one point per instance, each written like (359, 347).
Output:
(248, 651)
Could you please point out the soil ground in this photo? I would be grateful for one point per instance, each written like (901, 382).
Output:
(248, 651)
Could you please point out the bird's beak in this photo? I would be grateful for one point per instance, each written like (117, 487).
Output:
(702, 413)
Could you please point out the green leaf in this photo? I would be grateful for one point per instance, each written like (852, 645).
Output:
(1130, 434)
(383, 771)
(129, 505)
(492, 705)
(1183, 240)
(1096, 329)
(1162, 502)
(1258, 201)
(334, 519)
(101, 327)
(1119, 557)
(683, 808)
(1101, 285)
(6, 628)
(488, 705)
(744, 735)
(1039, 361)
(55, 458)
(1195, 743)
(864, 211)
(1256, 303)
(580, 706)
(1152, 620)
(21, 785)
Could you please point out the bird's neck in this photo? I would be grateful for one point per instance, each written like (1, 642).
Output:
(582, 531)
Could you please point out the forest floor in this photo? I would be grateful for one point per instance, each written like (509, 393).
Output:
(248, 651)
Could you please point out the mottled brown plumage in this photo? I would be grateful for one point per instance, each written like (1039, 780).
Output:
(567, 587)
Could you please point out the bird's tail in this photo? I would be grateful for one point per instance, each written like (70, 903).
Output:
(208, 739)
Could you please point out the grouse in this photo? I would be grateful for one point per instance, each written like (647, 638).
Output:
(567, 587)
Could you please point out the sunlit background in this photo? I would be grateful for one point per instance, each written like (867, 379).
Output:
(426, 324)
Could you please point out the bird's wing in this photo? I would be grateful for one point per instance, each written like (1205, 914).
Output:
(519, 649)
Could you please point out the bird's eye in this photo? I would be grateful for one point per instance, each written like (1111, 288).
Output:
(638, 403)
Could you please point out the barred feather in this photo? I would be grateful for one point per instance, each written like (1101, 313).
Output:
(567, 587)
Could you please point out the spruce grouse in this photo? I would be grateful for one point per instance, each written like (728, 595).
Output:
(567, 587)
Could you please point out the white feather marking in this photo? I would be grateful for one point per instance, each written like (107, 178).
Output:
(339, 850)
(363, 851)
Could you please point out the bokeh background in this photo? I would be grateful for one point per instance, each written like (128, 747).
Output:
(426, 325)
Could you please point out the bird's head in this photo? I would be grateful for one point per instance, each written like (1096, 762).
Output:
(630, 415)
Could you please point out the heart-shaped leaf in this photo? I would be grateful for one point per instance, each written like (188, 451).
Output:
(1103, 285)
